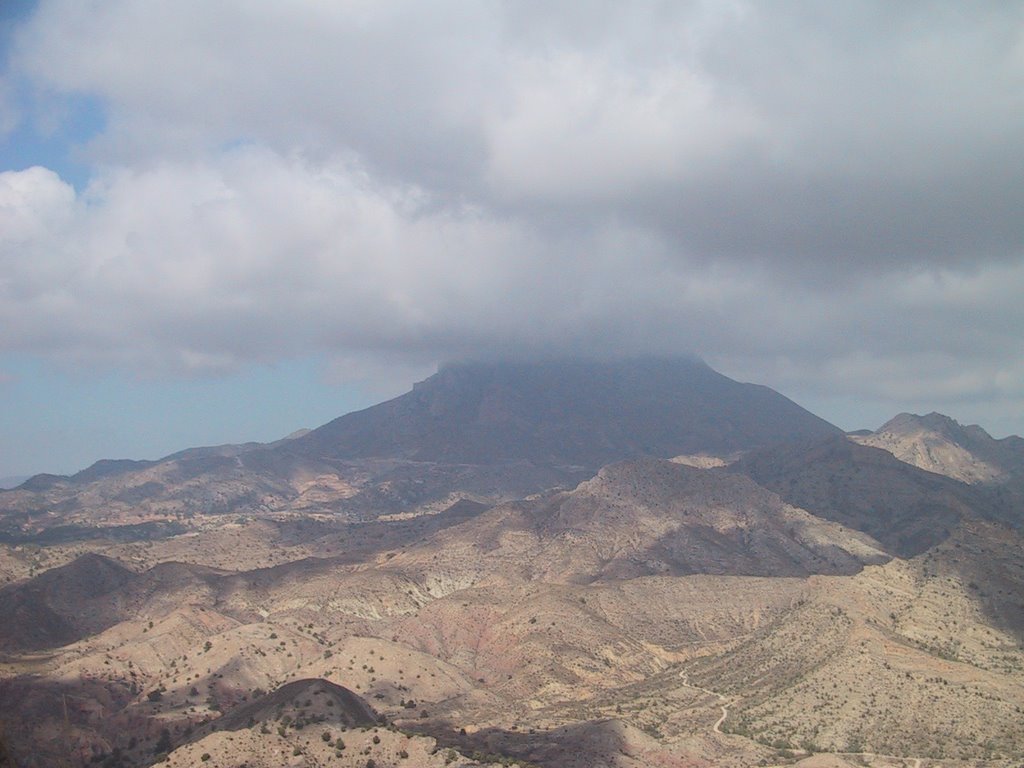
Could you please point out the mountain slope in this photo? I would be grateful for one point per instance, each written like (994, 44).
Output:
(529, 629)
(566, 413)
(916, 658)
(489, 432)
(641, 518)
(905, 508)
(58, 606)
(89, 595)
(939, 444)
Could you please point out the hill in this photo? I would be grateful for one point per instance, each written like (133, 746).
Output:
(642, 518)
(942, 445)
(906, 508)
(455, 562)
(913, 658)
(483, 431)
(62, 604)
(338, 706)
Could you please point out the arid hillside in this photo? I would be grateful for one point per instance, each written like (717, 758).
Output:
(643, 518)
(489, 432)
(906, 508)
(940, 444)
(659, 614)
(460, 578)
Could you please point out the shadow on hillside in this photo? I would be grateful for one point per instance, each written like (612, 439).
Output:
(590, 743)
(907, 509)
(989, 559)
(55, 723)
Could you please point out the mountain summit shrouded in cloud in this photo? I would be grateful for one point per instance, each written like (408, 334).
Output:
(826, 199)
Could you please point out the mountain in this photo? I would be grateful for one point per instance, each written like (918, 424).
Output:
(558, 413)
(940, 444)
(639, 518)
(905, 508)
(914, 657)
(309, 722)
(61, 605)
(567, 565)
(484, 431)
(657, 614)
(12, 481)
(89, 595)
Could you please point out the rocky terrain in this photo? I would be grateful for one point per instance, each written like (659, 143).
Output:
(906, 508)
(807, 600)
(939, 444)
(487, 432)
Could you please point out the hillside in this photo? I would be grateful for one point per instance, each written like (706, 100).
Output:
(486, 432)
(608, 625)
(918, 658)
(906, 508)
(942, 445)
(642, 518)
(583, 413)
(745, 602)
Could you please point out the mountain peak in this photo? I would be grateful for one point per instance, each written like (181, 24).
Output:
(905, 423)
(575, 412)
(941, 444)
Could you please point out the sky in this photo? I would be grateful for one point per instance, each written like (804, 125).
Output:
(223, 221)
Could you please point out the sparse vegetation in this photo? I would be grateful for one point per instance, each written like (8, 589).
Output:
(482, 637)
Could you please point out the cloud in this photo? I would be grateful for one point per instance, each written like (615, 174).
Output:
(255, 256)
(829, 194)
(828, 138)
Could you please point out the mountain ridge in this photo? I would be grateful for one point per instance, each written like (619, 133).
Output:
(648, 406)
(941, 444)
(746, 595)
(484, 431)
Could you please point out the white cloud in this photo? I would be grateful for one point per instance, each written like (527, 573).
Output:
(256, 255)
(579, 128)
(32, 202)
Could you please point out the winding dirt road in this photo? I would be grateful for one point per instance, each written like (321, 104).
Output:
(725, 702)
